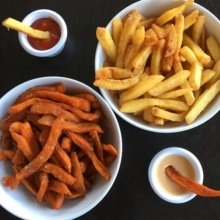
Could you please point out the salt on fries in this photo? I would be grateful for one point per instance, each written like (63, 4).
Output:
(168, 70)
(53, 141)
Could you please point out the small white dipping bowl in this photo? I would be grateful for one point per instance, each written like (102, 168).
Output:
(30, 19)
(154, 181)
(22, 203)
(153, 8)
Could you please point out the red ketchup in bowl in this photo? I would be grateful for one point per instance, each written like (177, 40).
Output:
(45, 24)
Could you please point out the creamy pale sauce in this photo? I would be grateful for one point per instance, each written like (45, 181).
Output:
(182, 165)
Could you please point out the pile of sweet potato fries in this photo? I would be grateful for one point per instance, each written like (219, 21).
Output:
(53, 141)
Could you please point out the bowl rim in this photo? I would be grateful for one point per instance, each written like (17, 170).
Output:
(125, 116)
(173, 151)
(40, 81)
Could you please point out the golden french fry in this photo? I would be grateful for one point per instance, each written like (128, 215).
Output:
(177, 65)
(206, 76)
(137, 105)
(202, 57)
(216, 69)
(161, 113)
(188, 4)
(204, 99)
(213, 48)
(137, 41)
(170, 83)
(147, 23)
(126, 34)
(195, 76)
(150, 37)
(113, 73)
(188, 54)
(174, 94)
(171, 42)
(190, 19)
(179, 26)
(147, 115)
(167, 63)
(203, 39)
(145, 83)
(189, 96)
(18, 26)
(161, 33)
(117, 27)
(156, 58)
(159, 121)
(198, 28)
(107, 42)
(169, 15)
(114, 84)
(140, 59)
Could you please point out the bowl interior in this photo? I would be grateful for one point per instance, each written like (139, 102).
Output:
(20, 202)
(156, 8)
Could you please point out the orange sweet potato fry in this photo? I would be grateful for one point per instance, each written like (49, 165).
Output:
(100, 167)
(80, 103)
(44, 135)
(6, 141)
(59, 173)
(79, 141)
(7, 154)
(63, 158)
(59, 87)
(10, 181)
(79, 185)
(110, 149)
(45, 153)
(51, 108)
(66, 144)
(91, 98)
(55, 200)
(109, 159)
(98, 145)
(19, 157)
(59, 187)
(44, 180)
(190, 185)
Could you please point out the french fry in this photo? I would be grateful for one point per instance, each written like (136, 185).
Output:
(171, 42)
(174, 94)
(203, 100)
(189, 96)
(11, 23)
(167, 63)
(159, 121)
(113, 84)
(161, 33)
(125, 37)
(188, 54)
(140, 59)
(141, 104)
(161, 113)
(147, 115)
(169, 15)
(202, 42)
(146, 23)
(202, 57)
(190, 19)
(195, 76)
(213, 48)
(179, 27)
(145, 84)
(188, 4)
(107, 43)
(206, 76)
(155, 66)
(117, 27)
(170, 83)
(198, 28)
(216, 69)
(150, 37)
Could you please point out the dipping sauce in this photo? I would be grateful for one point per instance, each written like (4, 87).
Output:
(182, 165)
(45, 24)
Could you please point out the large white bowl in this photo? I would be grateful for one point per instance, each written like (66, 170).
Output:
(152, 8)
(20, 202)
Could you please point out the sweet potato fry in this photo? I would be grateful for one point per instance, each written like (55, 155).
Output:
(59, 173)
(66, 144)
(44, 180)
(80, 185)
(110, 149)
(46, 152)
(55, 200)
(63, 158)
(79, 141)
(98, 145)
(19, 158)
(190, 185)
(7, 154)
(59, 187)
(44, 135)
(91, 98)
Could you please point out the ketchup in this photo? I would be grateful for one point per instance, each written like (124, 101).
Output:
(45, 24)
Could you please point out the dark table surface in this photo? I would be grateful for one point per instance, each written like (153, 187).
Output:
(131, 196)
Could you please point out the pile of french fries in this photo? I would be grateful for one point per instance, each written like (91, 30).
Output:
(53, 141)
(164, 68)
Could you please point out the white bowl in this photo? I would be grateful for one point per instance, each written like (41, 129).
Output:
(152, 8)
(154, 181)
(20, 202)
(29, 20)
